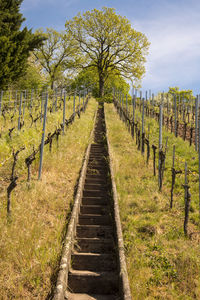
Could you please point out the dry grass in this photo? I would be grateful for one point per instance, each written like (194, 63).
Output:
(30, 245)
(162, 263)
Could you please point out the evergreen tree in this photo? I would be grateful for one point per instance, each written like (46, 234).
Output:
(15, 43)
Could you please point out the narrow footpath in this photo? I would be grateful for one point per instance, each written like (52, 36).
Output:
(94, 272)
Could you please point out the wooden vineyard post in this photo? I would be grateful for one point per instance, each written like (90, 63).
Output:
(140, 100)
(143, 133)
(15, 104)
(173, 177)
(167, 104)
(64, 111)
(153, 104)
(24, 106)
(154, 159)
(56, 96)
(74, 103)
(146, 99)
(30, 108)
(164, 157)
(175, 116)
(41, 111)
(53, 98)
(1, 99)
(20, 112)
(13, 180)
(196, 122)
(187, 202)
(174, 173)
(83, 96)
(133, 125)
(10, 93)
(199, 165)
(43, 137)
(149, 95)
(160, 154)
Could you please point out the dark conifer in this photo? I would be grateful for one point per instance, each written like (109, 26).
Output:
(15, 42)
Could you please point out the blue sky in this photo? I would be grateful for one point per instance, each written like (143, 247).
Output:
(172, 27)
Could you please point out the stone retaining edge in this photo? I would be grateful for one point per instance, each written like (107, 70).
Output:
(126, 292)
(62, 279)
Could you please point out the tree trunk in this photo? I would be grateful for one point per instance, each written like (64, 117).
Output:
(101, 85)
(52, 84)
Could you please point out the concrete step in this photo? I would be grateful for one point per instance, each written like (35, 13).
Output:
(92, 180)
(92, 164)
(100, 150)
(95, 262)
(94, 193)
(95, 176)
(95, 186)
(93, 282)
(87, 219)
(94, 231)
(94, 245)
(96, 146)
(95, 171)
(95, 200)
(99, 168)
(96, 157)
(70, 296)
(94, 209)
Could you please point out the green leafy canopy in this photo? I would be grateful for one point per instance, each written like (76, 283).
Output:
(107, 42)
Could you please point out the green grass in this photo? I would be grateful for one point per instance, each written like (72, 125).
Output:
(162, 262)
(29, 136)
(183, 153)
(30, 245)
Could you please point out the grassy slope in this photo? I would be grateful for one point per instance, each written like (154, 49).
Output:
(30, 245)
(162, 263)
(183, 152)
(29, 136)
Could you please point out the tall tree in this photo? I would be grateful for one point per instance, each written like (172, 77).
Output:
(34, 78)
(109, 43)
(15, 44)
(181, 95)
(56, 54)
(88, 78)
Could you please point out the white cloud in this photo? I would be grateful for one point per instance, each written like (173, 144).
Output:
(174, 56)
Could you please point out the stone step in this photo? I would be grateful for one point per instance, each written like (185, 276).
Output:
(94, 180)
(95, 176)
(98, 165)
(70, 296)
(94, 209)
(87, 219)
(96, 186)
(95, 262)
(99, 150)
(98, 159)
(93, 282)
(95, 200)
(94, 231)
(94, 245)
(94, 171)
(94, 193)
(95, 146)
(98, 156)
